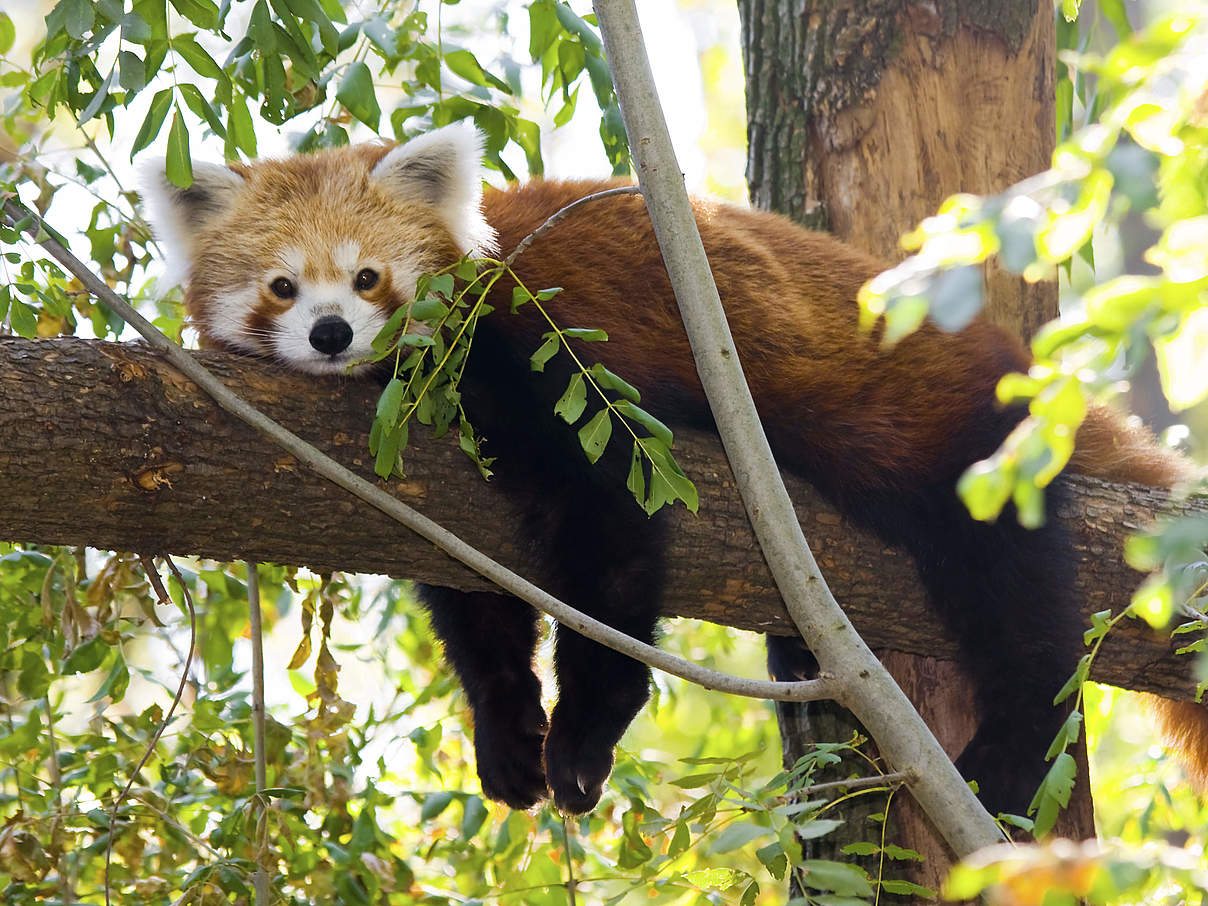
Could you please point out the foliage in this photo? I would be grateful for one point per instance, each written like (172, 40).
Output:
(1063, 873)
(428, 364)
(363, 805)
(374, 803)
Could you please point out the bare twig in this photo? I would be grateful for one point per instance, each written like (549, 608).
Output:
(894, 779)
(824, 687)
(162, 594)
(560, 214)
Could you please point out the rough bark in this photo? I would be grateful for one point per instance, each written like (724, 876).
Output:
(104, 444)
(862, 117)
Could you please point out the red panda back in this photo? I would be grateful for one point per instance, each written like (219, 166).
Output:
(887, 415)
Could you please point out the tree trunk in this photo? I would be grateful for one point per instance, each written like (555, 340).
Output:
(863, 116)
(106, 445)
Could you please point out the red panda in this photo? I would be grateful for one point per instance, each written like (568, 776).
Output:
(302, 260)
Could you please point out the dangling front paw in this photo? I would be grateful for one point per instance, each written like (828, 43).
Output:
(507, 747)
(576, 766)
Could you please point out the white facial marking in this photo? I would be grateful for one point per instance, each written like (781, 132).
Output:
(227, 318)
(346, 256)
(293, 260)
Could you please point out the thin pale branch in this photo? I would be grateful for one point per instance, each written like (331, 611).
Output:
(560, 214)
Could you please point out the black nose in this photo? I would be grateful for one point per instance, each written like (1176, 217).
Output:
(331, 335)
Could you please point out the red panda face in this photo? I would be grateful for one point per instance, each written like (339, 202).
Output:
(304, 259)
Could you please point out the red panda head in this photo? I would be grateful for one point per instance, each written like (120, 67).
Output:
(304, 259)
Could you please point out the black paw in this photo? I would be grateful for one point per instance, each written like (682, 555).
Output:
(1007, 774)
(507, 747)
(575, 766)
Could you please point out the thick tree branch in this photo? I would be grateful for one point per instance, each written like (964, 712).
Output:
(105, 444)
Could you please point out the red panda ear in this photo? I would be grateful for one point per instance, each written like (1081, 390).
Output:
(177, 215)
(442, 168)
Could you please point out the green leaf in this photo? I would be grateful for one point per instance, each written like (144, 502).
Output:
(357, 94)
(202, 13)
(1074, 682)
(586, 334)
(98, 98)
(390, 401)
(8, 33)
(573, 401)
(1054, 793)
(434, 804)
(132, 72)
(241, 133)
(197, 57)
(901, 854)
(814, 828)
(680, 839)
(636, 482)
(774, 859)
(629, 409)
(197, 102)
(161, 103)
(593, 436)
(466, 65)
(474, 815)
(737, 836)
(85, 658)
(1066, 736)
(956, 297)
(178, 163)
(908, 888)
(545, 352)
(114, 685)
(1100, 624)
(574, 24)
(76, 17)
(611, 381)
(836, 876)
(428, 309)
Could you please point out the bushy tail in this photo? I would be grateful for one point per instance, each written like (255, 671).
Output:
(1184, 727)
(1112, 449)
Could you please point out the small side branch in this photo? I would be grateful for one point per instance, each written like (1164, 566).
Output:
(561, 214)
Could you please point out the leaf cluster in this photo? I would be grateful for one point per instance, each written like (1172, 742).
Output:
(429, 343)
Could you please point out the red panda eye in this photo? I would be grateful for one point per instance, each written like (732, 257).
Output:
(366, 278)
(283, 288)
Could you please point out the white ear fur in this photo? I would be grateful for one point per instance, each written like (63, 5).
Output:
(177, 214)
(442, 168)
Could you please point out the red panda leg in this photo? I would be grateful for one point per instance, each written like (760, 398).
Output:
(1007, 594)
(489, 641)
